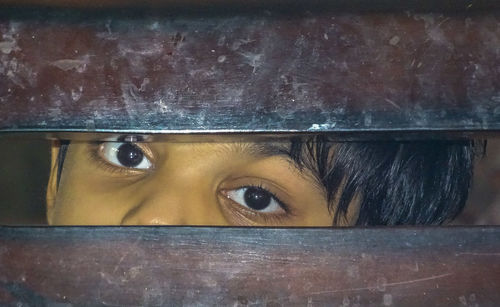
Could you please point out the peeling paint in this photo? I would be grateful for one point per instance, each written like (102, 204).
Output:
(8, 46)
(70, 64)
(253, 59)
(387, 299)
(221, 59)
(394, 40)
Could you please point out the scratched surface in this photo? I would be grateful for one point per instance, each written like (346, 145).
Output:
(358, 5)
(138, 266)
(70, 70)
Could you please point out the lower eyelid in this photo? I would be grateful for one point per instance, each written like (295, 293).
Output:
(94, 156)
(280, 203)
(239, 215)
(281, 195)
(252, 217)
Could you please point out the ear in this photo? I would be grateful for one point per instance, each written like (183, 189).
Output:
(52, 185)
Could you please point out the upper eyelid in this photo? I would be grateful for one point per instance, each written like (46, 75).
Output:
(96, 155)
(255, 216)
(287, 207)
(258, 182)
(148, 152)
(281, 203)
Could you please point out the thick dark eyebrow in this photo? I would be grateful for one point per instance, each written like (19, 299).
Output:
(267, 149)
(291, 151)
(286, 150)
(261, 149)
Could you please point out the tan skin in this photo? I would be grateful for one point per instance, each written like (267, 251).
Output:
(184, 184)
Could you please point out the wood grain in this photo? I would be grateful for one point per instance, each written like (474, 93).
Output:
(266, 71)
(138, 266)
(246, 4)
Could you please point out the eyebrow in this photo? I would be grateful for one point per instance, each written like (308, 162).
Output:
(268, 149)
(261, 149)
(283, 148)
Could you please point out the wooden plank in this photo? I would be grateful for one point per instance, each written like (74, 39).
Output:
(331, 71)
(282, 4)
(137, 266)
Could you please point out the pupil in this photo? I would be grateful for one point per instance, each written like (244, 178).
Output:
(129, 155)
(257, 199)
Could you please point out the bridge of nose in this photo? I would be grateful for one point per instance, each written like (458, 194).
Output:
(179, 192)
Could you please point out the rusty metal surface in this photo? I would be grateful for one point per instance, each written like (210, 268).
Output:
(140, 266)
(327, 71)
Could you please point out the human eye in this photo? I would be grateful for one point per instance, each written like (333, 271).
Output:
(124, 154)
(252, 202)
(256, 198)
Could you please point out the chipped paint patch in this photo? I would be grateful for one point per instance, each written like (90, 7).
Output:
(253, 59)
(321, 127)
(394, 40)
(8, 46)
(69, 64)
(387, 299)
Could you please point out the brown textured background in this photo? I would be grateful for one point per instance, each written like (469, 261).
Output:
(24, 169)
(24, 166)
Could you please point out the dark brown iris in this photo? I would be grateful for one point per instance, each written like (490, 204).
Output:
(129, 155)
(257, 198)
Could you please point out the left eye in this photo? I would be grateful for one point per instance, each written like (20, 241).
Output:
(255, 198)
(125, 155)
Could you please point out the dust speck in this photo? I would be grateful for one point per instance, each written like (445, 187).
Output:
(221, 59)
(387, 299)
(394, 40)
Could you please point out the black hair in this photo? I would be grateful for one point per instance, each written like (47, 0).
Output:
(63, 149)
(395, 182)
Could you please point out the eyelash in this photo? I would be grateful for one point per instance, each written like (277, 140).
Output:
(273, 195)
(271, 218)
(105, 165)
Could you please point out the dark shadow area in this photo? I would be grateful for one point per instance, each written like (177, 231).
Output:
(25, 168)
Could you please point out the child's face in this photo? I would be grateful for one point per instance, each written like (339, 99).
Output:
(250, 184)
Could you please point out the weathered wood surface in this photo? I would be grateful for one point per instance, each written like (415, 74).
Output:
(137, 266)
(328, 71)
(282, 4)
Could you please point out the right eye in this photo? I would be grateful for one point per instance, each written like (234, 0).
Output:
(255, 198)
(124, 154)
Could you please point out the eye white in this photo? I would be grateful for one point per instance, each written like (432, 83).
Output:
(238, 196)
(109, 151)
